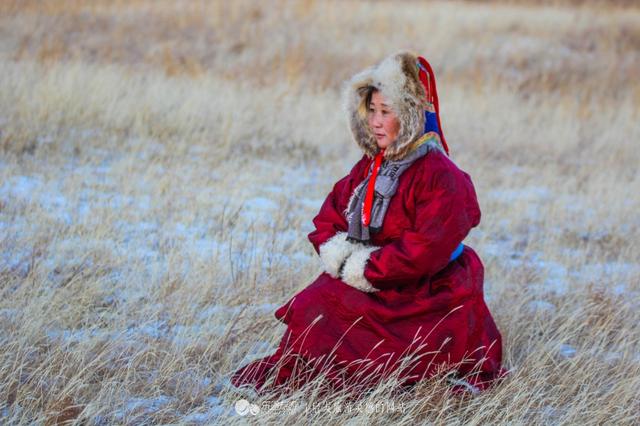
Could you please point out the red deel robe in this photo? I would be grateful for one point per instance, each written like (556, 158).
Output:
(427, 307)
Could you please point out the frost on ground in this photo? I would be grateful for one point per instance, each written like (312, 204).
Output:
(60, 221)
(258, 227)
(115, 219)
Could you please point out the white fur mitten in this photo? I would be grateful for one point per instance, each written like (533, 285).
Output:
(334, 251)
(353, 271)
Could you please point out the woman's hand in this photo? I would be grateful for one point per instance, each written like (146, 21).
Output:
(352, 270)
(346, 260)
(335, 251)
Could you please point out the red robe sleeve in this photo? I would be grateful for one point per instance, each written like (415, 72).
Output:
(446, 208)
(329, 239)
(331, 219)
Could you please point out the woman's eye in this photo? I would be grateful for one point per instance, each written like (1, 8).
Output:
(385, 112)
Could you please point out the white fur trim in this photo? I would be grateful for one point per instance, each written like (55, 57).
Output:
(351, 197)
(334, 251)
(353, 272)
(397, 77)
(388, 76)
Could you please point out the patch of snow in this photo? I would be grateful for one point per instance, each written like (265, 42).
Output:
(551, 414)
(259, 211)
(608, 269)
(258, 350)
(274, 189)
(260, 203)
(530, 193)
(620, 289)
(153, 329)
(555, 276)
(514, 170)
(541, 306)
(567, 351)
(73, 336)
(611, 357)
(9, 314)
(211, 410)
(210, 320)
(21, 187)
(310, 203)
(207, 313)
(142, 406)
(11, 414)
(300, 258)
(16, 259)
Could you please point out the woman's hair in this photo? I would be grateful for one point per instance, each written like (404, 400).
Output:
(366, 93)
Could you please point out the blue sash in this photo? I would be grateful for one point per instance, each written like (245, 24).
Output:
(457, 252)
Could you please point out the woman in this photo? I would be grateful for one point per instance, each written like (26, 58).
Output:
(400, 294)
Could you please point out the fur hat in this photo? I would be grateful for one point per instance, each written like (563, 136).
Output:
(409, 88)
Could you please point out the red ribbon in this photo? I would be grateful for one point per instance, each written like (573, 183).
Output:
(428, 80)
(368, 199)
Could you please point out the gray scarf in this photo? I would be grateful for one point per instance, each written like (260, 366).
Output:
(385, 187)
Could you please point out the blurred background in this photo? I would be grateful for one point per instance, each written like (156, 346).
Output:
(161, 162)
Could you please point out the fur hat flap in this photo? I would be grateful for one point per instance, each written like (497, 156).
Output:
(397, 78)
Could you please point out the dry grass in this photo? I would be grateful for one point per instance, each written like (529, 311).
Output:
(160, 164)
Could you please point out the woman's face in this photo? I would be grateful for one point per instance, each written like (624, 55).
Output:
(383, 122)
